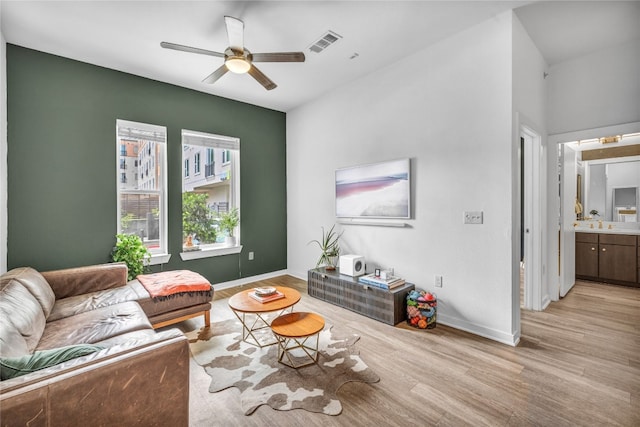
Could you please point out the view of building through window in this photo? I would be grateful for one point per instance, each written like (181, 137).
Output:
(210, 192)
(141, 150)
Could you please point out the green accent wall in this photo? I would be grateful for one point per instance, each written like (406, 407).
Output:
(62, 164)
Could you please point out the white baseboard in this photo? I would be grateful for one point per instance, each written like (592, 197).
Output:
(298, 275)
(492, 334)
(545, 302)
(245, 280)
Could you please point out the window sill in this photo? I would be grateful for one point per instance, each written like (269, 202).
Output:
(210, 252)
(159, 259)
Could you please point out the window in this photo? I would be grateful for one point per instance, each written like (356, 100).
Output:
(142, 201)
(207, 197)
(186, 167)
(196, 163)
(209, 166)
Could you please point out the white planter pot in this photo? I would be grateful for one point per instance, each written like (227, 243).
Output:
(230, 240)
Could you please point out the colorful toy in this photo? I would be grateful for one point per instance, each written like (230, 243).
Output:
(421, 309)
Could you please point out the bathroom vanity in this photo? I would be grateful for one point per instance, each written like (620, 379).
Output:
(608, 256)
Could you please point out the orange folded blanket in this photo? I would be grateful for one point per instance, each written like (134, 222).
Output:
(170, 283)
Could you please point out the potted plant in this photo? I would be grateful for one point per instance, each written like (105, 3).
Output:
(330, 250)
(131, 250)
(228, 222)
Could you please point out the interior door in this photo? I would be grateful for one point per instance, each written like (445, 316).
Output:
(568, 217)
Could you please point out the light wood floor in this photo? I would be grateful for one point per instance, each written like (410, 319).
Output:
(578, 363)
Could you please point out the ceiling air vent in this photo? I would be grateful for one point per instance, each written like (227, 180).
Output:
(326, 40)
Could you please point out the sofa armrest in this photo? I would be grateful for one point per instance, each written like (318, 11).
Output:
(83, 280)
(142, 382)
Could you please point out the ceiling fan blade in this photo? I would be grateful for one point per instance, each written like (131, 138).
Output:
(190, 49)
(213, 77)
(235, 33)
(278, 57)
(261, 78)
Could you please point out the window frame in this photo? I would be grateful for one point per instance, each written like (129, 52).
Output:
(196, 164)
(126, 129)
(232, 144)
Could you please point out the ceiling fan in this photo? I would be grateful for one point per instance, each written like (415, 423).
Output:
(237, 58)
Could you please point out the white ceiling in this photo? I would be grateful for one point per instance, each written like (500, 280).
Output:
(126, 36)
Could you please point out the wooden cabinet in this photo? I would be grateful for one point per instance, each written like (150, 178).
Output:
(617, 258)
(610, 258)
(587, 255)
(347, 292)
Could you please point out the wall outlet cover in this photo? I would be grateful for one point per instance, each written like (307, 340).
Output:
(472, 217)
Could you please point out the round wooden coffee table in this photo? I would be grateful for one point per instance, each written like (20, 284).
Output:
(293, 331)
(242, 304)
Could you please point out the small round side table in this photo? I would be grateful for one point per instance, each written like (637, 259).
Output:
(296, 331)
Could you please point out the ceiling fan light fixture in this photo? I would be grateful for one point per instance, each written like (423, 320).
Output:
(237, 64)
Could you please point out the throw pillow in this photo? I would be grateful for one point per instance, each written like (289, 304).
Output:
(11, 367)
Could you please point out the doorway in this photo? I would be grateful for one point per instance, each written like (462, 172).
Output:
(561, 233)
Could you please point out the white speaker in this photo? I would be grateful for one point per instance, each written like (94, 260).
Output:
(352, 265)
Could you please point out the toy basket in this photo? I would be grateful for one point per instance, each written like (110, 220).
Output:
(422, 307)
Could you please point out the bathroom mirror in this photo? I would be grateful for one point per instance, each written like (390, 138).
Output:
(611, 188)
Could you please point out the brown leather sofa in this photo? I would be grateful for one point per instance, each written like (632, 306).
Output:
(139, 377)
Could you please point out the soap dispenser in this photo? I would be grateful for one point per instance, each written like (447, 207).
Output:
(599, 223)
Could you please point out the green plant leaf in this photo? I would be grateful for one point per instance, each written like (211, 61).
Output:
(131, 250)
(328, 245)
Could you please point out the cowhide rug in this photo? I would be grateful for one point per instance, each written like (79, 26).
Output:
(262, 380)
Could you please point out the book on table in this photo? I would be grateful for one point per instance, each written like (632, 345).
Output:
(266, 298)
(388, 283)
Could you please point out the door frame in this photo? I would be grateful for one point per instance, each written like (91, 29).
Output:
(568, 179)
(534, 207)
(553, 201)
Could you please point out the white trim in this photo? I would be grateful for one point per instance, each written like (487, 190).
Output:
(159, 136)
(209, 253)
(4, 177)
(157, 259)
(533, 206)
(493, 334)
(620, 129)
(246, 280)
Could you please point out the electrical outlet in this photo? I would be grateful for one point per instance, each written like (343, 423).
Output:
(438, 281)
(250, 256)
(473, 217)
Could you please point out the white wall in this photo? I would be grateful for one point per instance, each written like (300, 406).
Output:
(596, 90)
(3, 154)
(449, 109)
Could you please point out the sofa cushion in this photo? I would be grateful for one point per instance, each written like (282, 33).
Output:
(36, 284)
(79, 304)
(12, 343)
(94, 326)
(20, 311)
(133, 291)
(11, 367)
